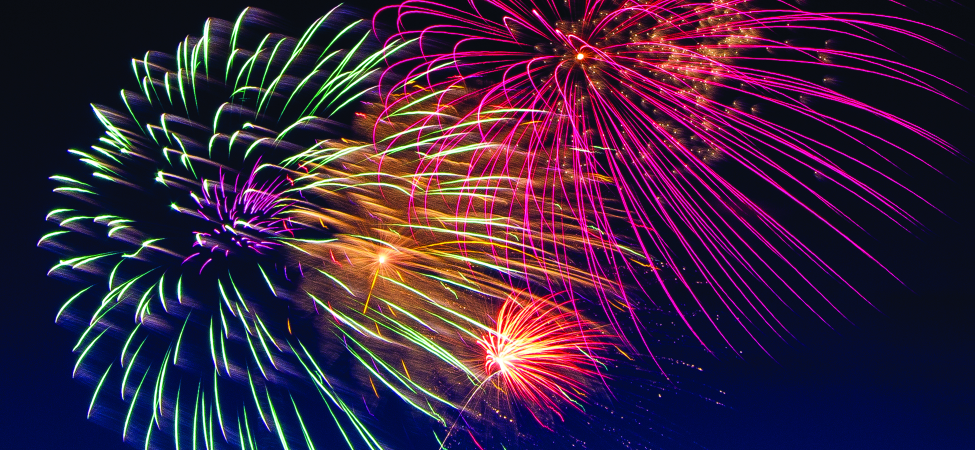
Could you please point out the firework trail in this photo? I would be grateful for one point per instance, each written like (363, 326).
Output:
(627, 106)
(189, 235)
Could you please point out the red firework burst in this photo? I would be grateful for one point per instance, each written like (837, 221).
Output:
(542, 351)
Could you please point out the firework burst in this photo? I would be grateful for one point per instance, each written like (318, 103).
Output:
(189, 234)
(631, 103)
(542, 352)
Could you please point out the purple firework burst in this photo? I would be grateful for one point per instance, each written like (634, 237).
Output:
(246, 216)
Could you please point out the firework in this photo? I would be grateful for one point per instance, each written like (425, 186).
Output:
(540, 349)
(190, 235)
(624, 108)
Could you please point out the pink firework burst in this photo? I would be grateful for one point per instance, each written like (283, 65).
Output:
(631, 103)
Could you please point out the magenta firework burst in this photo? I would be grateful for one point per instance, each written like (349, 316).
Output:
(674, 112)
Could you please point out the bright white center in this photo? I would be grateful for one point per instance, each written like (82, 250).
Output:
(502, 362)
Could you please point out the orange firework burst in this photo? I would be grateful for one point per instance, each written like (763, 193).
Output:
(542, 351)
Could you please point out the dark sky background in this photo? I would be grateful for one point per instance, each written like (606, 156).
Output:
(901, 378)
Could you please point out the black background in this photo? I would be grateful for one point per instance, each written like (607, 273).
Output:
(901, 378)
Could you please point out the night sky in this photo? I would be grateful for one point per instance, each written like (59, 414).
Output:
(897, 378)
